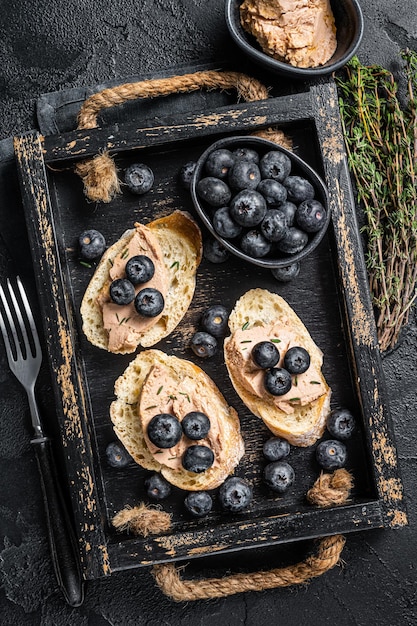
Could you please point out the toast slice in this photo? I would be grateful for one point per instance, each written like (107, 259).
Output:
(175, 245)
(300, 415)
(155, 382)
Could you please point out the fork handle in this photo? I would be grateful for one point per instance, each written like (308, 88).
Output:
(64, 550)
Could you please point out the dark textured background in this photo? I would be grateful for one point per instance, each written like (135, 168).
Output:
(51, 46)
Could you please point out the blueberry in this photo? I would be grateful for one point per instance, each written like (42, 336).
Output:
(157, 487)
(341, 424)
(246, 154)
(91, 244)
(164, 430)
(248, 208)
(214, 251)
(219, 162)
(293, 241)
(198, 503)
(214, 191)
(187, 173)
(276, 448)
(277, 381)
(274, 225)
(122, 291)
(225, 225)
(311, 216)
(298, 189)
(287, 273)
(149, 302)
(265, 354)
(254, 244)
(117, 455)
(195, 425)
(297, 360)
(139, 178)
(279, 476)
(235, 494)
(273, 192)
(214, 320)
(244, 175)
(197, 459)
(331, 454)
(139, 269)
(289, 209)
(276, 165)
(203, 345)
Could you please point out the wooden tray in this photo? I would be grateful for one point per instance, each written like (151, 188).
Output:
(330, 295)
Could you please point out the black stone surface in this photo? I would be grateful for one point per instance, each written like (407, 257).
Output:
(48, 47)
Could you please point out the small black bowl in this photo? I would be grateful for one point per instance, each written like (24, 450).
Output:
(298, 168)
(349, 31)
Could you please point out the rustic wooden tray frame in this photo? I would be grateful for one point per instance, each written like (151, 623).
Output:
(101, 554)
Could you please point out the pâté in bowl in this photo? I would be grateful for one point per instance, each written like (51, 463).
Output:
(262, 202)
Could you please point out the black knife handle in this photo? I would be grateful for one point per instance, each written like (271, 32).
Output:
(64, 550)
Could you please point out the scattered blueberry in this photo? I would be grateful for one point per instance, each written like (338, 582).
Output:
(149, 302)
(276, 448)
(122, 291)
(196, 425)
(265, 354)
(91, 244)
(331, 454)
(311, 216)
(197, 459)
(279, 476)
(214, 191)
(214, 251)
(187, 173)
(244, 175)
(274, 226)
(287, 273)
(277, 381)
(298, 189)
(248, 207)
(246, 154)
(198, 503)
(235, 494)
(289, 209)
(293, 241)
(139, 269)
(214, 320)
(219, 162)
(157, 487)
(273, 192)
(203, 344)
(139, 178)
(276, 165)
(225, 225)
(254, 244)
(297, 360)
(117, 455)
(164, 430)
(341, 424)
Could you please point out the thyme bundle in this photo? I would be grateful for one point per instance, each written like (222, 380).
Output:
(381, 142)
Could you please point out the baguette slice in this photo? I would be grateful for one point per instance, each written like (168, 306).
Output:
(306, 423)
(128, 415)
(180, 240)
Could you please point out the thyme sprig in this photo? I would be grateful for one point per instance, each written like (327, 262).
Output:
(381, 142)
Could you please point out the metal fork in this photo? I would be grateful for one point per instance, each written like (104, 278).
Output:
(24, 356)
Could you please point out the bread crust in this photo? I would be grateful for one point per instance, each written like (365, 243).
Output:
(127, 422)
(307, 423)
(181, 243)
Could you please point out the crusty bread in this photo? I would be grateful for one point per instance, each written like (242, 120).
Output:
(190, 382)
(305, 424)
(180, 240)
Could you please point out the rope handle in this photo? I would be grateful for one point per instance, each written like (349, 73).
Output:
(99, 174)
(329, 489)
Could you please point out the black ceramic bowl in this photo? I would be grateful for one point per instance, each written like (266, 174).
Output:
(299, 167)
(349, 31)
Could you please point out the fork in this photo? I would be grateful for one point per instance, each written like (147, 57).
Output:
(24, 356)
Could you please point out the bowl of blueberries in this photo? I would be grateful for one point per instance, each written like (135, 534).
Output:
(260, 201)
